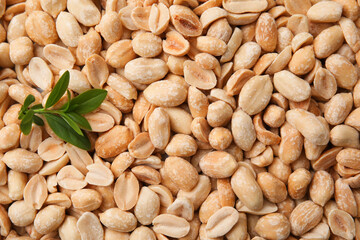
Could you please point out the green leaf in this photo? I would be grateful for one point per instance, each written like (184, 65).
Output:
(25, 125)
(37, 106)
(80, 120)
(28, 100)
(22, 114)
(38, 121)
(72, 124)
(67, 133)
(66, 106)
(87, 101)
(58, 90)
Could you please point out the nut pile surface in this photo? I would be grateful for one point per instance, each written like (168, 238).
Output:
(224, 119)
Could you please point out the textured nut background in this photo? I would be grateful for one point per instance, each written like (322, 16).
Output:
(224, 119)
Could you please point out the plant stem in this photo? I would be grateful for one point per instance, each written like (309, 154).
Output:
(43, 111)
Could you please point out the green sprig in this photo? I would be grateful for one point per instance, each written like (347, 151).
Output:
(66, 122)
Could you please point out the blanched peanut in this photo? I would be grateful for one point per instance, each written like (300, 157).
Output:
(211, 45)
(118, 220)
(241, 126)
(274, 190)
(171, 225)
(274, 116)
(158, 18)
(280, 170)
(181, 172)
(181, 145)
(120, 53)
(36, 192)
(246, 56)
(84, 11)
(120, 136)
(298, 183)
(344, 136)
(95, 230)
(273, 226)
(147, 206)
(157, 93)
(126, 183)
(22, 160)
(345, 75)
(341, 224)
(220, 138)
(68, 229)
(88, 44)
(298, 118)
(49, 218)
(5, 60)
(209, 206)
(9, 137)
(182, 207)
(58, 56)
(219, 114)
(266, 32)
(347, 156)
(350, 8)
(21, 214)
(302, 61)
(198, 102)
(142, 233)
(145, 70)
(16, 27)
(301, 224)
(321, 188)
(40, 27)
(291, 143)
(207, 61)
(198, 77)
(199, 193)
(221, 222)
(338, 108)
(247, 189)
(86, 199)
(291, 86)
(185, 21)
(322, 12)
(110, 27)
(68, 29)
(252, 100)
(21, 51)
(147, 174)
(218, 164)
(40, 73)
(147, 45)
(141, 146)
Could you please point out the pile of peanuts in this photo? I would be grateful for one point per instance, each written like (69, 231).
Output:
(224, 119)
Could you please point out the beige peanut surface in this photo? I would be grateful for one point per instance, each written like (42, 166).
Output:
(224, 119)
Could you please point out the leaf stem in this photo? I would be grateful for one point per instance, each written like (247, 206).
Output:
(44, 111)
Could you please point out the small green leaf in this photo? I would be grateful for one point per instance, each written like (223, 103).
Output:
(67, 133)
(38, 121)
(22, 114)
(72, 124)
(37, 106)
(58, 90)
(80, 120)
(66, 106)
(87, 101)
(28, 100)
(25, 125)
